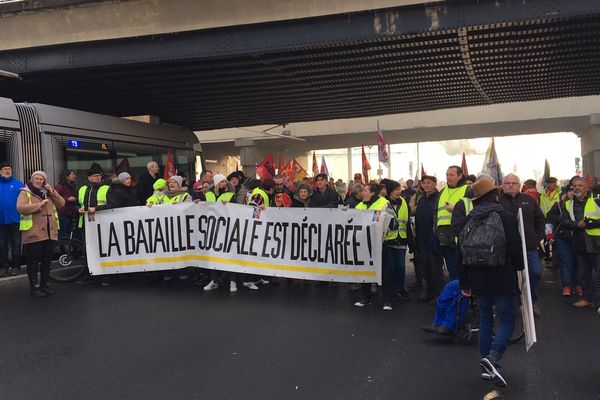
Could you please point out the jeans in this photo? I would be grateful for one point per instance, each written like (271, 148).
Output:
(394, 269)
(567, 261)
(182, 274)
(589, 276)
(10, 239)
(449, 254)
(535, 273)
(449, 303)
(39, 256)
(505, 308)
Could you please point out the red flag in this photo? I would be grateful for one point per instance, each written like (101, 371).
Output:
(266, 169)
(281, 165)
(315, 166)
(365, 166)
(170, 167)
(125, 167)
(463, 165)
(423, 172)
(382, 153)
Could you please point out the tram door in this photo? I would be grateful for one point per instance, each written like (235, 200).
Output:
(3, 151)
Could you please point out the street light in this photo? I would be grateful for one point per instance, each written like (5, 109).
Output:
(11, 75)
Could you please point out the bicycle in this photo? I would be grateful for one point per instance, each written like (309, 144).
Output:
(72, 263)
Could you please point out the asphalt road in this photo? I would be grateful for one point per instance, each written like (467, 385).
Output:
(141, 341)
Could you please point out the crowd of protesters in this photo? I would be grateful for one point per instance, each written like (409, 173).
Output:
(559, 223)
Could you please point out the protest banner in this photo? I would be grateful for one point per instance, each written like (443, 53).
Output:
(526, 302)
(315, 244)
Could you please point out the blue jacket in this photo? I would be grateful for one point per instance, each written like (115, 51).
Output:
(9, 191)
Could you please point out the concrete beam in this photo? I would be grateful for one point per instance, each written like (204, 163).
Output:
(557, 115)
(121, 19)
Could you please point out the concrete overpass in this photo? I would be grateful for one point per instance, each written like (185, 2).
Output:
(226, 64)
(580, 115)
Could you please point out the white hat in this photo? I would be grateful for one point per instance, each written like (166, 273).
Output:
(218, 178)
(40, 173)
(177, 179)
(123, 175)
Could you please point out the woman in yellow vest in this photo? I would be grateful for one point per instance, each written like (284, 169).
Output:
(37, 203)
(175, 194)
(158, 197)
(371, 201)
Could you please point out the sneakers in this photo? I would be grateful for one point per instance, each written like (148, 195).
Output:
(387, 307)
(212, 285)
(362, 303)
(232, 287)
(250, 285)
(566, 291)
(262, 282)
(37, 292)
(402, 295)
(430, 328)
(486, 377)
(583, 303)
(488, 367)
(578, 291)
(47, 289)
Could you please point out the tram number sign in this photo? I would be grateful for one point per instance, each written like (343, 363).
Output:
(76, 144)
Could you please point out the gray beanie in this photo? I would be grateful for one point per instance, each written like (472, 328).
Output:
(40, 173)
(123, 175)
(177, 179)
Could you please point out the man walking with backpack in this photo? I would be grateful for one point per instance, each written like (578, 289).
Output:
(491, 256)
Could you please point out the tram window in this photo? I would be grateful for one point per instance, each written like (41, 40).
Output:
(81, 161)
(137, 163)
(184, 164)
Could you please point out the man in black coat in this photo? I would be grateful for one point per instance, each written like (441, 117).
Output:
(534, 224)
(146, 181)
(428, 249)
(324, 196)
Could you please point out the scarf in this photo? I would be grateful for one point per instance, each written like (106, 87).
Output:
(40, 192)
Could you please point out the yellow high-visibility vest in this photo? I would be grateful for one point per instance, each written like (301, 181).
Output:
(262, 194)
(547, 201)
(591, 211)
(224, 197)
(100, 199)
(26, 222)
(451, 196)
(402, 222)
(379, 205)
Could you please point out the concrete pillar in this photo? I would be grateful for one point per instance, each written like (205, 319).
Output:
(590, 147)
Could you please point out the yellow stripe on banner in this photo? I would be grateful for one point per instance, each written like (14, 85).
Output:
(254, 264)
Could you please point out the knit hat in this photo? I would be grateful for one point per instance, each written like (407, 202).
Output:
(95, 168)
(159, 184)
(218, 178)
(197, 185)
(4, 164)
(177, 179)
(123, 175)
(40, 173)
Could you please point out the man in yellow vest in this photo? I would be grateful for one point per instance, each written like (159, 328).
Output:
(453, 193)
(548, 198)
(261, 196)
(91, 198)
(583, 218)
(371, 201)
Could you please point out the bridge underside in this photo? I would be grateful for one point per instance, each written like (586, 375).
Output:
(407, 59)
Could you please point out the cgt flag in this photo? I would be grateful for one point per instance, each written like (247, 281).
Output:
(266, 169)
(170, 167)
(365, 165)
(281, 164)
(463, 165)
(298, 173)
(382, 153)
(491, 165)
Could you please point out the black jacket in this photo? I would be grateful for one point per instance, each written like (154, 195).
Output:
(351, 201)
(144, 187)
(497, 280)
(533, 217)
(554, 217)
(582, 242)
(424, 216)
(120, 195)
(328, 199)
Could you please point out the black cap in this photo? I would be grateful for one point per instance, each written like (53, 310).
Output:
(95, 168)
(236, 174)
(4, 164)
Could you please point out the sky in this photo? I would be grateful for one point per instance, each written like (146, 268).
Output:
(523, 155)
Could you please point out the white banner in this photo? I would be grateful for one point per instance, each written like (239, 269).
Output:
(315, 244)
(526, 302)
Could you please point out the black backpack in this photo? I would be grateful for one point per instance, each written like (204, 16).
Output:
(483, 242)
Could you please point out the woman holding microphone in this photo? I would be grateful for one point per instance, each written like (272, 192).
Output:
(37, 203)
